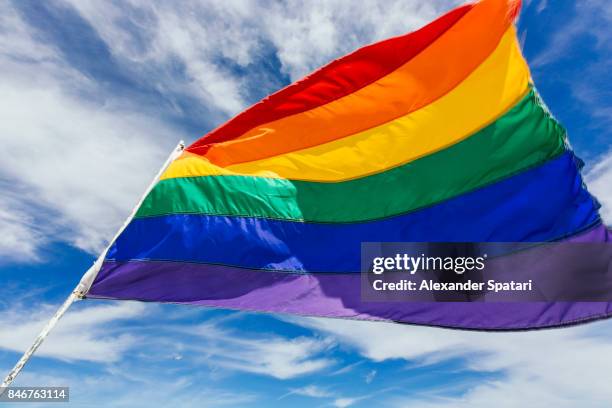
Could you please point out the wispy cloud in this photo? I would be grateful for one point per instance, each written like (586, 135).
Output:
(87, 334)
(537, 363)
(21, 236)
(312, 391)
(599, 180)
(269, 355)
(345, 402)
(302, 35)
(542, 5)
(590, 17)
(155, 38)
(69, 162)
(370, 376)
(333, 398)
(106, 334)
(144, 389)
(576, 55)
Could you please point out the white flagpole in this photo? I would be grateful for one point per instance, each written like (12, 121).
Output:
(86, 281)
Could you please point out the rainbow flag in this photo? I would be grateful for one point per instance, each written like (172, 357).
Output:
(435, 136)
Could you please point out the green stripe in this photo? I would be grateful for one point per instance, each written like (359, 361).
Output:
(524, 137)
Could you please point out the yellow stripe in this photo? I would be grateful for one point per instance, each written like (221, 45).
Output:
(493, 88)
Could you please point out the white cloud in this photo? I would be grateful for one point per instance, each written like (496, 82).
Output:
(592, 17)
(16, 39)
(550, 367)
(312, 391)
(85, 163)
(370, 376)
(345, 402)
(304, 35)
(542, 6)
(599, 180)
(584, 33)
(150, 37)
(174, 392)
(20, 236)
(279, 358)
(273, 356)
(112, 388)
(127, 357)
(84, 333)
(69, 164)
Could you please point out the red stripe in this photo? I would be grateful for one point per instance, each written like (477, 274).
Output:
(337, 79)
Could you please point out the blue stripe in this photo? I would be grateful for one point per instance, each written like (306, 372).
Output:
(542, 204)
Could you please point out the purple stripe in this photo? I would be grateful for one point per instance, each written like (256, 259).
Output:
(328, 295)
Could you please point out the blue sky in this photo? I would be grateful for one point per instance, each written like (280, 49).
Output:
(94, 96)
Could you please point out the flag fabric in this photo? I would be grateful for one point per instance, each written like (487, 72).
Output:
(435, 136)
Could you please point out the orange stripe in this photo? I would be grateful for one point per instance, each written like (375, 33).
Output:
(425, 78)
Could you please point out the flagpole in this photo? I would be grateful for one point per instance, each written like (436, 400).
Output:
(86, 281)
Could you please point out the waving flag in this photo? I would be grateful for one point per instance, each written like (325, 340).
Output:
(435, 136)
